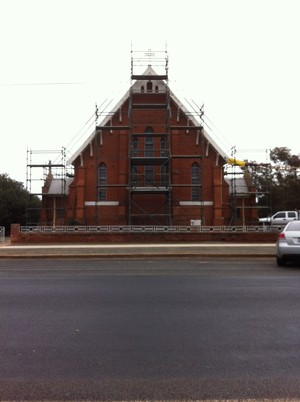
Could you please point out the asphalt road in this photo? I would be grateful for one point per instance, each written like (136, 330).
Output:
(147, 329)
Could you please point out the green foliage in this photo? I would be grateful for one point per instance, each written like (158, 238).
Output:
(15, 200)
(282, 156)
(278, 183)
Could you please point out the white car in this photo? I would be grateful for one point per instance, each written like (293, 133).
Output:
(288, 244)
(280, 218)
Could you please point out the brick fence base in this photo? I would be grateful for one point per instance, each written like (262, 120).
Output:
(18, 237)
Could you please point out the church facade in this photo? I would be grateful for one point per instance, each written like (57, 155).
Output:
(148, 162)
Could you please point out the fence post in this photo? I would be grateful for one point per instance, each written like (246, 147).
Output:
(2, 234)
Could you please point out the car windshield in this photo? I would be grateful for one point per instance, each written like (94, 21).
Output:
(293, 226)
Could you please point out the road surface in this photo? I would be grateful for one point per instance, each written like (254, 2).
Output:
(149, 329)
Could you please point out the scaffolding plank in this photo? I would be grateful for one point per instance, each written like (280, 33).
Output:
(112, 127)
(47, 165)
(150, 134)
(149, 161)
(149, 106)
(152, 190)
(187, 156)
(142, 77)
(186, 127)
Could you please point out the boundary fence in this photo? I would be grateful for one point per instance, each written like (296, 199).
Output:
(149, 229)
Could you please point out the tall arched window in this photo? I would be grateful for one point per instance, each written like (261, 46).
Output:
(149, 171)
(102, 182)
(134, 171)
(163, 168)
(149, 86)
(134, 147)
(195, 182)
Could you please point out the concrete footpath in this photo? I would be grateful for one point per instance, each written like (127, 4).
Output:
(136, 250)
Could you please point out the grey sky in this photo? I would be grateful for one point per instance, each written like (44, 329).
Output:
(238, 57)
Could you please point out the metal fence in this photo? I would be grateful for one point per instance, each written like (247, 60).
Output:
(2, 234)
(149, 229)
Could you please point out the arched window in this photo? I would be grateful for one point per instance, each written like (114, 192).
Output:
(149, 86)
(142, 88)
(149, 171)
(156, 88)
(102, 182)
(163, 168)
(195, 182)
(134, 171)
(134, 147)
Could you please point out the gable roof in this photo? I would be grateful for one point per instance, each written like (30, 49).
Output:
(238, 186)
(136, 86)
(58, 187)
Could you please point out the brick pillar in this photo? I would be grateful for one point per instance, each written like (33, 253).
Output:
(80, 190)
(218, 218)
(14, 233)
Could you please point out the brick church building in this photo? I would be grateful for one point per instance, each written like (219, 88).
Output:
(150, 161)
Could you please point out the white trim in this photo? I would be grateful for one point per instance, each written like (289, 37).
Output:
(100, 137)
(196, 203)
(207, 148)
(100, 203)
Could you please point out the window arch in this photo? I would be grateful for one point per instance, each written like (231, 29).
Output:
(149, 130)
(102, 182)
(195, 173)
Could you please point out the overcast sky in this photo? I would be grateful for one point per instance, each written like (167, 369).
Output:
(240, 58)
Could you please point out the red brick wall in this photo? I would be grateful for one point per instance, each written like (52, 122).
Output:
(114, 153)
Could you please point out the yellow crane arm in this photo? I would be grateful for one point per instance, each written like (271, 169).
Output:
(233, 161)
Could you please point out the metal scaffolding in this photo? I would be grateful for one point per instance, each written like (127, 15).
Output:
(38, 170)
(149, 151)
(47, 177)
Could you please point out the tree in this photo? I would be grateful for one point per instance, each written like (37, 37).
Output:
(15, 200)
(277, 183)
(282, 156)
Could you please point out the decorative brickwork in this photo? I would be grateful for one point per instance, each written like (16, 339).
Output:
(104, 237)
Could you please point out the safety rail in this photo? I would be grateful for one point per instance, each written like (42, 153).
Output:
(148, 229)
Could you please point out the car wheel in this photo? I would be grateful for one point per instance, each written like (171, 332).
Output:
(280, 262)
